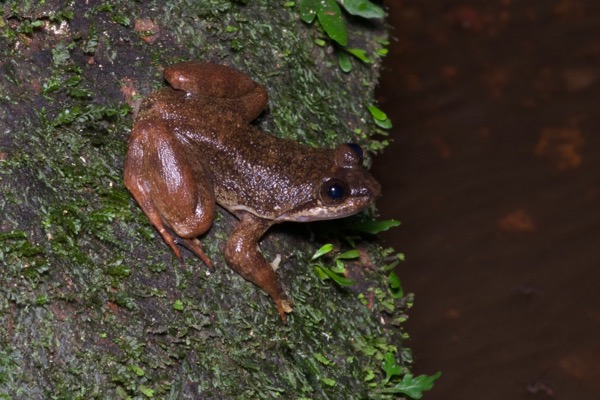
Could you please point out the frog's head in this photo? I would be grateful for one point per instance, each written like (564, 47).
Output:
(345, 188)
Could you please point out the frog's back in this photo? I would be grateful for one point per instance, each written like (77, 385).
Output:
(268, 176)
(251, 170)
(260, 173)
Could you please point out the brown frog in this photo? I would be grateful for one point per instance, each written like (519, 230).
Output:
(192, 146)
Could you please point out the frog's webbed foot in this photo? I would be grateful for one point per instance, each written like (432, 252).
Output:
(243, 256)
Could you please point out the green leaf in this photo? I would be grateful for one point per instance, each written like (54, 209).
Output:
(390, 367)
(321, 358)
(118, 270)
(328, 381)
(386, 124)
(413, 387)
(380, 118)
(12, 235)
(340, 280)
(308, 10)
(360, 54)
(395, 286)
(326, 248)
(53, 83)
(79, 93)
(345, 62)
(320, 274)
(147, 391)
(330, 18)
(178, 305)
(382, 52)
(374, 227)
(377, 113)
(138, 371)
(348, 255)
(60, 54)
(362, 8)
(393, 280)
(122, 19)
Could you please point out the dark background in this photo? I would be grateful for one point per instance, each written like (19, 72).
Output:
(495, 175)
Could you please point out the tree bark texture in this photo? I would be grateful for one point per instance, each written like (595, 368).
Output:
(93, 304)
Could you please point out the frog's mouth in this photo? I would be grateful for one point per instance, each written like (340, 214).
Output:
(317, 211)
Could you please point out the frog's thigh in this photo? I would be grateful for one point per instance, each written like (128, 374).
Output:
(226, 85)
(184, 201)
(135, 177)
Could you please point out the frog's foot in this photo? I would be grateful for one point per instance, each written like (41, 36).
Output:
(284, 307)
(167, 236)
(195, 247)
(275, 263)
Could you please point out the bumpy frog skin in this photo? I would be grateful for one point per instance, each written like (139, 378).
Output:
(192, 146)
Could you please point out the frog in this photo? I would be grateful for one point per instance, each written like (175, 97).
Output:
(193, 146)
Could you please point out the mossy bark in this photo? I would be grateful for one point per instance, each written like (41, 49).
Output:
(93, 304)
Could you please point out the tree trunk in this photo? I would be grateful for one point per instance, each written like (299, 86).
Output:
(93, 304)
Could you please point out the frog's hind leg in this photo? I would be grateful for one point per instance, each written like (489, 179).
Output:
(195, 247)
(222, 84)
(165, 186)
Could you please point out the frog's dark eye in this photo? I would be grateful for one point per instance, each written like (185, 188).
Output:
(356, 149)
(334, 191)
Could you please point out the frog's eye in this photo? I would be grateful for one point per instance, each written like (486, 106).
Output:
(334, 191)
(356, 149)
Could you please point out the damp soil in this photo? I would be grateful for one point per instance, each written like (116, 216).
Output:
(495, 175)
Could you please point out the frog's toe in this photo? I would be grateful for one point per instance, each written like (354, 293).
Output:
(284, 307)
(275, 263)
(195, 247)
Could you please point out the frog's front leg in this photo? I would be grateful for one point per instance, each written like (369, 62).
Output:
(243, 256)
(162, 181)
